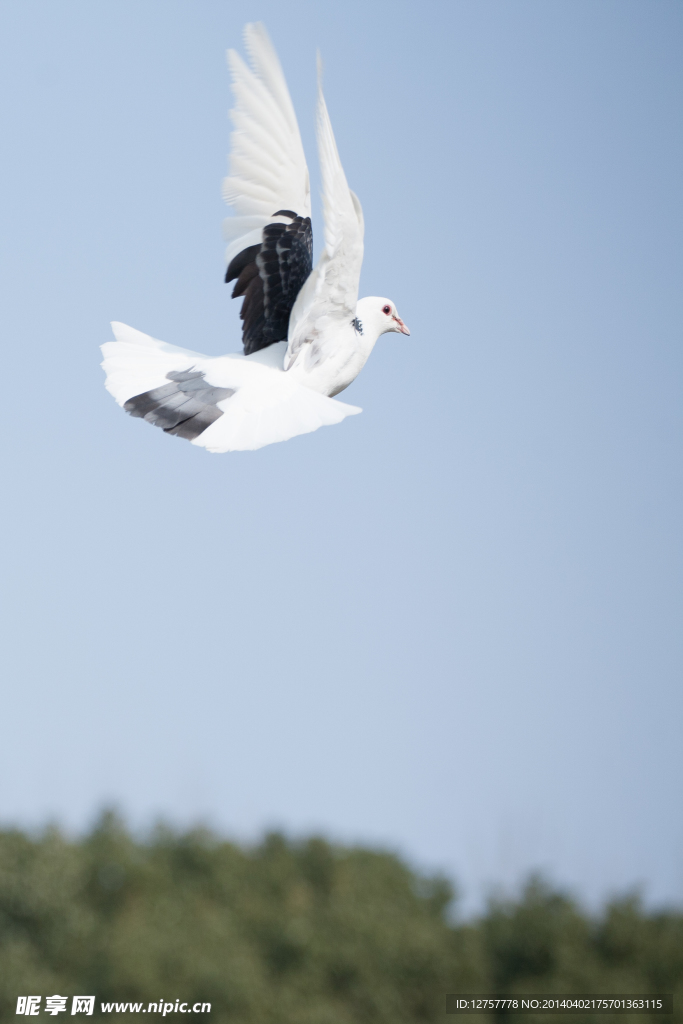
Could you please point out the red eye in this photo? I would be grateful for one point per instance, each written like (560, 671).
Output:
(386, 310)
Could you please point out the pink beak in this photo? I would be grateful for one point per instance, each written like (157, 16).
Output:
(401, 326)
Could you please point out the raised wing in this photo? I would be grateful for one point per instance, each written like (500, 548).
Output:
(270, 240)
(270, 275)
(328, 298)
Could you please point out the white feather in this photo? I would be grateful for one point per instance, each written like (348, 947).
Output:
(328, 299)
(269, 405)
(268, 169)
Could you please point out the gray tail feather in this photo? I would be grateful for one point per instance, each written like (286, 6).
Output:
(185, 407)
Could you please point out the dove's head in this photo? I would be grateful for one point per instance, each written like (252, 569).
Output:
(377, 316)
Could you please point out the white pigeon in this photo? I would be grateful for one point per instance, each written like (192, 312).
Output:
(306, 335)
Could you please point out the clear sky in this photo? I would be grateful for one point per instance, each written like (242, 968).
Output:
(450, 626)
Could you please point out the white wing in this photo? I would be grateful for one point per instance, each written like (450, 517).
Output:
(268, 169)
(223, 404)
(328, 298)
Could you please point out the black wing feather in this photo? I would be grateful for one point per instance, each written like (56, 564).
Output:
(270, 275)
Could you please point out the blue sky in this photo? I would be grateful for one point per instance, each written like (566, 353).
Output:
(451, 625)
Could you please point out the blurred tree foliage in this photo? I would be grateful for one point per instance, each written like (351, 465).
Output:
(297, 933)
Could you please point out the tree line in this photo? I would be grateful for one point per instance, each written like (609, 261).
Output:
(298, 932)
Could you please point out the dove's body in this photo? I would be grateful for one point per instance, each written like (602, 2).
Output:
(306, 336)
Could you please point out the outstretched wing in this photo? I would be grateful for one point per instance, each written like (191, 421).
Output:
(223, 404)
(329, 296)
(270, 240)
